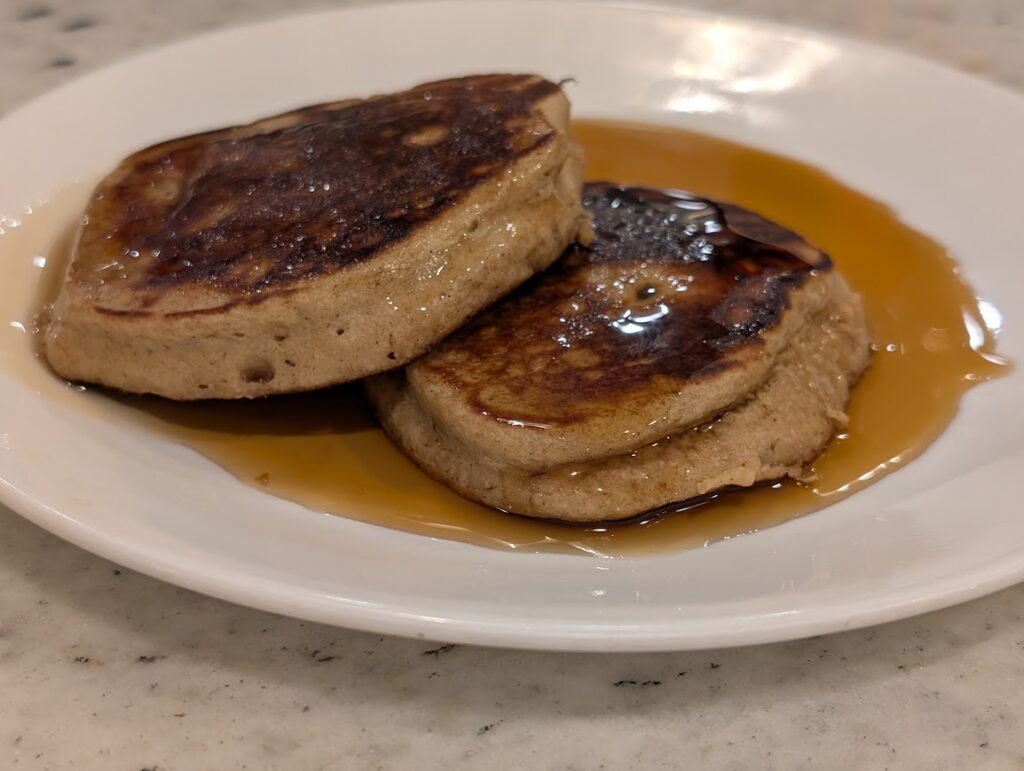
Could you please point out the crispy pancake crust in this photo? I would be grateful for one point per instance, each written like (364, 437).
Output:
(675, 312)
(316, 246)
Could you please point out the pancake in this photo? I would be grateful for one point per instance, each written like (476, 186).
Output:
(317, 246)
(694, 346)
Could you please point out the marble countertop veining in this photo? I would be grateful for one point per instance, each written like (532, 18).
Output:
(102, 668)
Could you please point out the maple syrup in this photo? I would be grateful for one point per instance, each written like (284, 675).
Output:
(324, 450)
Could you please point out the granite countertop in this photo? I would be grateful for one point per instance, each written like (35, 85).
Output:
(104, 668)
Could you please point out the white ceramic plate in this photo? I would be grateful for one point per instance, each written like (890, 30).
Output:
(945, 150)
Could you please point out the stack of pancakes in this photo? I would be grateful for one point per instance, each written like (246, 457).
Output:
(554, 349)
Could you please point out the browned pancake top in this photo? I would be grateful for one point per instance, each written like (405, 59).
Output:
(671, 286)
(245, 210)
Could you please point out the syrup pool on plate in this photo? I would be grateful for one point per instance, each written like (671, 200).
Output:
(933, 340)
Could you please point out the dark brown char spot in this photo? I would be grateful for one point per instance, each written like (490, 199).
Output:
(332, 186)
(670, 286)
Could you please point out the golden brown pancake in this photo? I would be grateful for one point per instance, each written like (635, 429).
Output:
(317, 246)
(693, 346)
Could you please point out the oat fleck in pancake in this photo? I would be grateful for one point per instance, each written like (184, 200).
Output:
(694, 346)
(318, 246)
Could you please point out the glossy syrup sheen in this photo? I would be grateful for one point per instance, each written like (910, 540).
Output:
(323, 450)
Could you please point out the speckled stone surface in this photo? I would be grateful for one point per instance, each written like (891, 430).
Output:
(101, 668)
